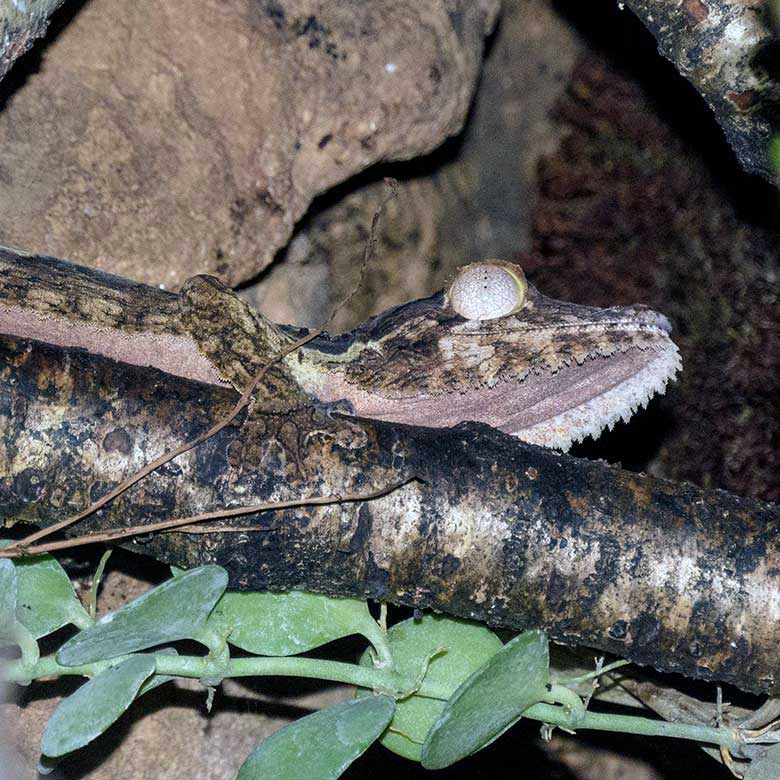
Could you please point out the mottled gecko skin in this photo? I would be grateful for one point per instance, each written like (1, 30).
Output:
(550, 373)
(59, 303)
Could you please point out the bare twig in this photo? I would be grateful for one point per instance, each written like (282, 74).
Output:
(182, 523)
(219, 529)
(369, 250)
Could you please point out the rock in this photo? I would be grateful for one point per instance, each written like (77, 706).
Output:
(158, 141)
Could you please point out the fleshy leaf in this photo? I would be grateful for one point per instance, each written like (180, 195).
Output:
(321, 745)
(490, 701)
(8, 599)
(46, 599)
(89, 711)
(287, 623)
(175, 610)
(468, 645)
(765, 768)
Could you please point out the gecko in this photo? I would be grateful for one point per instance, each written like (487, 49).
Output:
(105, 373)
(489, 348)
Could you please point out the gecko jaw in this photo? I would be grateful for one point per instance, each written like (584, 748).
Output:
(612, 405)
(550, 407)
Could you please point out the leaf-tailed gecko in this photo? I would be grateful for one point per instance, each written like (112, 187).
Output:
(490, 348)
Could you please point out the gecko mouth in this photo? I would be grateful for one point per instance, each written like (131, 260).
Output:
(552, 408)
(579, 401)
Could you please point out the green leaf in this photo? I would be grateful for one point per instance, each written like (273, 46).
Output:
(774, 153)
(8, 598)
(89, 711)
(469, 646)
(490, 701)
(767, 767)
(175, 610)
(321, 745)
(46, 598)
(286, 623)
(289, 623)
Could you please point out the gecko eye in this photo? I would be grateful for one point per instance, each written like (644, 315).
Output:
(488, 290)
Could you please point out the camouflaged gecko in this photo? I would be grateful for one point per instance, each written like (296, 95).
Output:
(490, 349)
(103, 375)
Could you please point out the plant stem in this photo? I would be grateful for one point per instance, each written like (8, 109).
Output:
(560, 694)
(384, 680)
(595, 673)
(201, 667)
(631, 724)
(377, 636)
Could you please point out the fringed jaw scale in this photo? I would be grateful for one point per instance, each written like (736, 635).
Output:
(493, 349)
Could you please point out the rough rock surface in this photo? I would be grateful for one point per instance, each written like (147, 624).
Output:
(159, 141)
(471, 199)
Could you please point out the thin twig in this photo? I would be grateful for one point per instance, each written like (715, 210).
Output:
(113, 534)
(369, 250)
(25, 545)
(219, 529)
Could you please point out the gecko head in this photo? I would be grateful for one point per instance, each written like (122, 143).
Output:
(492, 348)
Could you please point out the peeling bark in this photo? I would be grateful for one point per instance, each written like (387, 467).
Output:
(728, 51)
(514, 535)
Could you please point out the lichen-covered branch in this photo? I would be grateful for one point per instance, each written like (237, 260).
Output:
(21, 22)
(514, 535)
(725, 49)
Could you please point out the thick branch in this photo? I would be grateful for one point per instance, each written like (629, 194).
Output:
(727, 50)
(514, 535)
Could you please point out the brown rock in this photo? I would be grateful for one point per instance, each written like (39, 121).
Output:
(471, 199)
(160, 141)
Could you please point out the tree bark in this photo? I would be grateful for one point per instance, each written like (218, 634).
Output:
(683, 579)
(727, 50)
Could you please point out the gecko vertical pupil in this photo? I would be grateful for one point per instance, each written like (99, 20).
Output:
(488, 290)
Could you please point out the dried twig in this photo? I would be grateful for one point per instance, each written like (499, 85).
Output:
(181, 523)
(369, 250)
